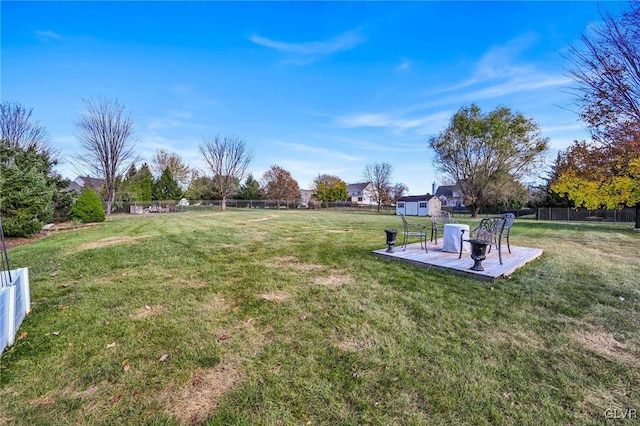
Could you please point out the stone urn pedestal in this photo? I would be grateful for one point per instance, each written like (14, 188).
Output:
(391, 239)
(478, 253)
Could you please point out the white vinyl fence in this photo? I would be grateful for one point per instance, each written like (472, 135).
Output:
(15, 304)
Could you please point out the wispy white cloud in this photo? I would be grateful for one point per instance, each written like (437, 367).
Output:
(298, 147)
(499, 72)
(404, 66)
(163, 123)
(395, 147)
(307, 52)
(422, 125)
(47, 35)
(500, 60)
(172, 119)
(525, 83)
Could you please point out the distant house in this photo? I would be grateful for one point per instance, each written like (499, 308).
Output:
(361, 193)
(418, 205)
(83, 182)
(450, 196)
(305, 196)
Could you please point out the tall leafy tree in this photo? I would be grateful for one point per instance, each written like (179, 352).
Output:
(228, 159)
(486, 153)
(592, 177)
(606, 70)
(328, 188)
(379, 176)
(278, 184)
(106, 139)
(250, 189)
(200, 188)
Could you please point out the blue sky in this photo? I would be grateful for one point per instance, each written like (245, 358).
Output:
(316, 88)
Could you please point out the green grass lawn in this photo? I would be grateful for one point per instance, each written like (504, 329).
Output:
(284, 317)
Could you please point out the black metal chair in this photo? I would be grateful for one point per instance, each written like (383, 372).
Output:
(489, 230)
(438, 220)
(414, 230)
(509, 219)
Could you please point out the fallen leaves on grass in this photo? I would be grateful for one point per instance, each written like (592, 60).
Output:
(163, 358)
(112, 345)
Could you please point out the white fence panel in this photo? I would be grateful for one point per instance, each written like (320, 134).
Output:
(4, 318)
(15, 304)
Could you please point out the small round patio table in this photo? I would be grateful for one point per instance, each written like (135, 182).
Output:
(451, 238)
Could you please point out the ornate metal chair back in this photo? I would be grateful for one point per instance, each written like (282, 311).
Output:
(509, 219)
(489, 228)
(441, 217)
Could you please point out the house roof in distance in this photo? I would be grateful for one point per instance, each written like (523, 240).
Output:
(352, 187)
(410, 198)
(446, 190)
(83, 182)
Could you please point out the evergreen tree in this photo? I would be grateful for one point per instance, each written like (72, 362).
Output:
(88, 208)
(144, 181)
(26, 189)
(128, 189)
(250, 190)
(166, 187)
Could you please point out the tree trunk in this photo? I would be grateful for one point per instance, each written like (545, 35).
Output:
(474, 211)
(223, 204)
(111, 198)
(637, 216)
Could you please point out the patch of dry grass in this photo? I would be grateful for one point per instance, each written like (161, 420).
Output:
(106, 242)
(195, 400)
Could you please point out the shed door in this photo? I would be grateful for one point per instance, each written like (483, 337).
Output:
(411, 209)
(422, 208)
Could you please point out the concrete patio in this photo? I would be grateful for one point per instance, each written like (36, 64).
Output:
(446, 261)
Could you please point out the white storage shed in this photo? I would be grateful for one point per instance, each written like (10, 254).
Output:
(418, 205)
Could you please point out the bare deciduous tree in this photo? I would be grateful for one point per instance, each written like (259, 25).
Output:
(106, 140)
(607, 75)
(228, 159)
(19, 129)
(397, 191)
(163, 160)
(379, 176)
